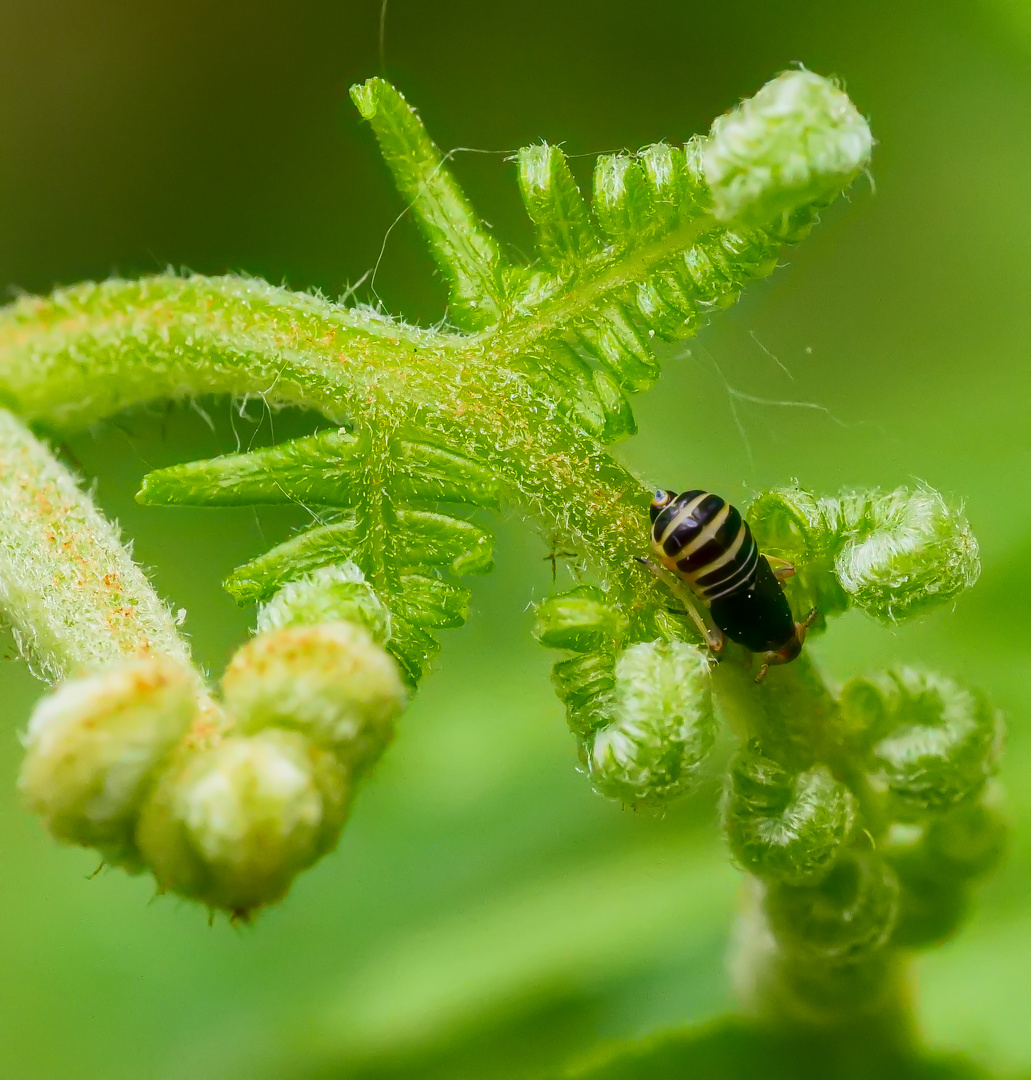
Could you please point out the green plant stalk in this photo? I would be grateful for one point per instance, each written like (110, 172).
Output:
(796, 719)
(73, 595)
(169, 337)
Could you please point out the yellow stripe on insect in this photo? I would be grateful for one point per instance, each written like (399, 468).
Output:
(728, 556)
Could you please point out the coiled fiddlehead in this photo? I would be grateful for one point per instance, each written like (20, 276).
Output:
(863, 816)
(642, 712)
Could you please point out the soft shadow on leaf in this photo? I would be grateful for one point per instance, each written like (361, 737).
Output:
(732, 1048)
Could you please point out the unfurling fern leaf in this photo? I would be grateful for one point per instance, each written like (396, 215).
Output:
(379, 524)
(513, 399)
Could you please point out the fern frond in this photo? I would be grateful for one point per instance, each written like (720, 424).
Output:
(459, 241)
(385, 523)
(514, 403)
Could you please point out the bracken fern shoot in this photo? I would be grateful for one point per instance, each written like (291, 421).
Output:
(861, 814)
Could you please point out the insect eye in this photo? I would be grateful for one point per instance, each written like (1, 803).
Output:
(660, 500)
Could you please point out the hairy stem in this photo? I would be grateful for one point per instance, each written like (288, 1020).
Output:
(73, 595)
(169, 337)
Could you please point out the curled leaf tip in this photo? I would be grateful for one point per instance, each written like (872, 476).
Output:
(916, 553)
(798, 141)
(785, 827)
(95, 744)
(937, 742)
(660, 724)
(894, 554)
(847, 916)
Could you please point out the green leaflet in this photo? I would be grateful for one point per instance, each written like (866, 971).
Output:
(621, 199)
(321, 470)
(384, 537)
(321, 546)
(324, 469)
(565, 237)
(463, 247)
(652, 262)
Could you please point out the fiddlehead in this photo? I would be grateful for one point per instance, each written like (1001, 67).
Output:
(513, 403)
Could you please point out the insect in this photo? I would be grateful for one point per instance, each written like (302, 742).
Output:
(702, 541)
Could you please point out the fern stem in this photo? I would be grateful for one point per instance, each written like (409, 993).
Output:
(71, 591)
(88, 352)
(601, 277)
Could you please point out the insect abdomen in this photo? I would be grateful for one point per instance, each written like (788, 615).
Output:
(703, 539)
(706, 542)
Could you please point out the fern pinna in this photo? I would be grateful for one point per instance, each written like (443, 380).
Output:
(861, 814)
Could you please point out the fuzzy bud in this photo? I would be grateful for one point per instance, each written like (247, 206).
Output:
(335, 593)
(661, 725)
(798, 141)
(95, 743)
(941, 742)
(908, 552)
(331, 681)
(785, 827)
(848, 915)
(894, 555)
(235, 826)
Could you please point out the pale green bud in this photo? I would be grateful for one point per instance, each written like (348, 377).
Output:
(331, 681)
(783, 826)
(848, 915)
(240, 820)
(335, 593)
(798, 141)
(906, 552)
(942, 742)
(95, 743)
(895, 555)
(661, 726)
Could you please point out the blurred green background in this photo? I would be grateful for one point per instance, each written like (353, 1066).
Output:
(485, 914)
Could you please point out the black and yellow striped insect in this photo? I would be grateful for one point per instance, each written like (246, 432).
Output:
(702, 541)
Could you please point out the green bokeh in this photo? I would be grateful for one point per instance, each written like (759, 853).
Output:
(485, 913)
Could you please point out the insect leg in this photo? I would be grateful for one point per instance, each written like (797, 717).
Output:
(712, 635)
(782, 569)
